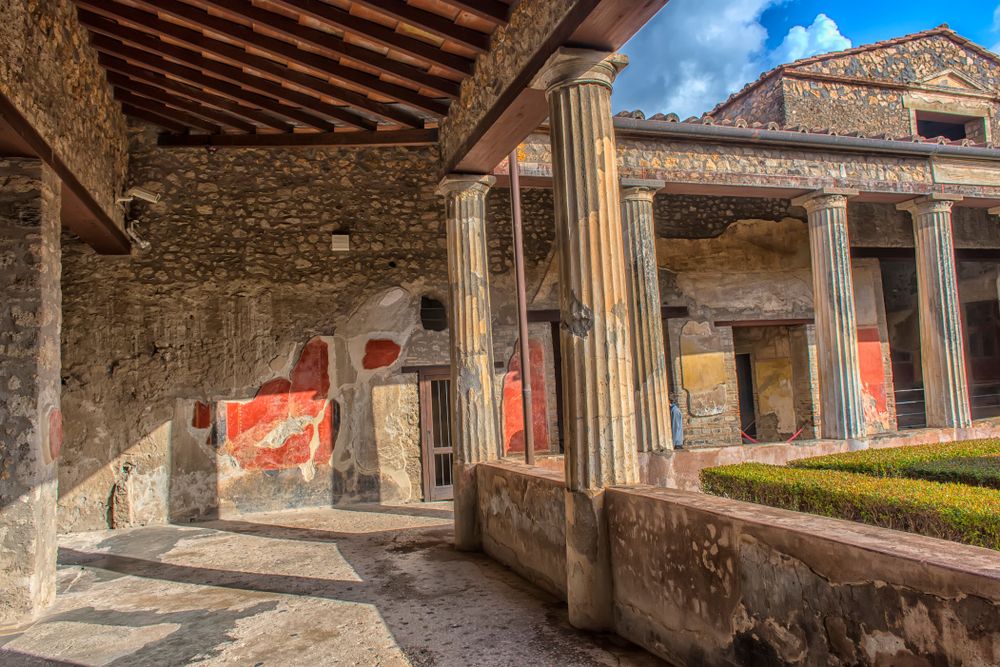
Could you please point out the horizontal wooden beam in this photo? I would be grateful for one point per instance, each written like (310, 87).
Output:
(137, 73)
(374, 32)
(340, 139)
(145, 19)
(493, 11)
(744, 324)
(429, 22)
(323, 40)
(88, 219)
(553, 315)
(123, 82)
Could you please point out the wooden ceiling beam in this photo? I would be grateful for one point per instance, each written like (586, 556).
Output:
(151, 45)
(140, 102)
(323, 40)
(136, 73)
(152, 24)
(368, 30)
(157, 63)
(429, 22)
(493, 11)
(122, 82)
(418, 137)
(156, 119)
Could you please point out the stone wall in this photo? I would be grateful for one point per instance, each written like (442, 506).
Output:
(523, 520)
(237, 279)
(30, 418)
(701, 580)
(51, 75)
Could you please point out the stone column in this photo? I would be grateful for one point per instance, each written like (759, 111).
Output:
(652, 398)
(598, 401)
(942, 352)
(836, 326)
(30, 418)
(475, 434)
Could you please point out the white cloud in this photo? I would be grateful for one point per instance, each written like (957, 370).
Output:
(693, 54)
(822, 36)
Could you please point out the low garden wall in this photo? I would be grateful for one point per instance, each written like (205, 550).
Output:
(701, 580)
(523, 520)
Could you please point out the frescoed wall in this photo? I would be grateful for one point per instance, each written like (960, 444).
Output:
(513, 401)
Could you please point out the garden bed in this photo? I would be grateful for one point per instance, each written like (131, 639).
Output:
(975, 462)
(957, 512)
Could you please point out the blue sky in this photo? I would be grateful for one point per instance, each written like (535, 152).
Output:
(694, 53)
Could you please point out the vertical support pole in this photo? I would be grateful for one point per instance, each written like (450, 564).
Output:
(836, 322)
(474, 414)
(596, 342)
(652, 397)
(946, 391)
(30, 416)
(522, 308)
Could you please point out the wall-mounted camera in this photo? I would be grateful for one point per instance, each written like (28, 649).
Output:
(139, 193)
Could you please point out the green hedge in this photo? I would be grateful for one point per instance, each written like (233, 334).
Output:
(956, 512)
(975, 462)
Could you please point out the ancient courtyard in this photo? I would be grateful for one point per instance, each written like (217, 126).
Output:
(368, 332)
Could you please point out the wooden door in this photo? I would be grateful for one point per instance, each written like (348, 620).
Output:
(435, 433)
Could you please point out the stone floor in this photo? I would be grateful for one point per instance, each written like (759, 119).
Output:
(364, 586)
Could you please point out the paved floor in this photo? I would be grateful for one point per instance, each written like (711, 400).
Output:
(365, 586)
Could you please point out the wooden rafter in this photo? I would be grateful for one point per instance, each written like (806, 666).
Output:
(141, 102)
(137, 73)
(381, 138)
(430, 22)
(124, 83)
(369, 30)
(493, 11)
(196, 40)
(155, 118)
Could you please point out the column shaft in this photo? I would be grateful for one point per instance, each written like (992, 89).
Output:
(598, 401)
(652, 398)
(30, 417)
(474, 416)
(836, 325)
(946, 393)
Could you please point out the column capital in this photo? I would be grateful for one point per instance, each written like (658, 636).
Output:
(640, 188)
(936, 202)
(465, 183)
(825, 198)
(569, 66)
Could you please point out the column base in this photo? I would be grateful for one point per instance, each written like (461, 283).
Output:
(468, 535)
(588, 562)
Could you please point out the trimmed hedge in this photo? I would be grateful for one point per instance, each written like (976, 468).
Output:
(975, 462)
(956, 512)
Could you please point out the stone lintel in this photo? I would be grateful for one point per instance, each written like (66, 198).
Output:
(914, 205)
(460, 182)
(572, 66)
(824, 192)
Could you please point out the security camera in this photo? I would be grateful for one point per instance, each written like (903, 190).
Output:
(140, 193)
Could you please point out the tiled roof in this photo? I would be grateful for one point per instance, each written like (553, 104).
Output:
(707, 119)
(942, 29)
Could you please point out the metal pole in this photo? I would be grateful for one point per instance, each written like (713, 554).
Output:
(522, 308)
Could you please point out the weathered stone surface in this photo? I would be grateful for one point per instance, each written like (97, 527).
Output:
(703, 369)
(744, 584)
(30, 417)
(51, 75)
(523, 512)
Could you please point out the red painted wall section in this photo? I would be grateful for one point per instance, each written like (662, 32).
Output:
(202, 417)
(55, 433)
(873, 377)
(290, 422)
(513, 402)
(379, 353)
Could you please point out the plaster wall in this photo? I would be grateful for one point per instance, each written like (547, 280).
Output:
(701, 580)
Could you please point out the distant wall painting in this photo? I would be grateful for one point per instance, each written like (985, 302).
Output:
(703, 369)
(379, 353)
(873, 383)
(513, 402)
(55, 433)
(290, 423)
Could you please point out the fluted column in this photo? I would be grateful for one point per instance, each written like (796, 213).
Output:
(946, 392)
(598, 403)
(652, 398)
(836, 324)
(475, 436)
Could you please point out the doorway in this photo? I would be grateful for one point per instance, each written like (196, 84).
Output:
(435, 433)
(748, 407)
